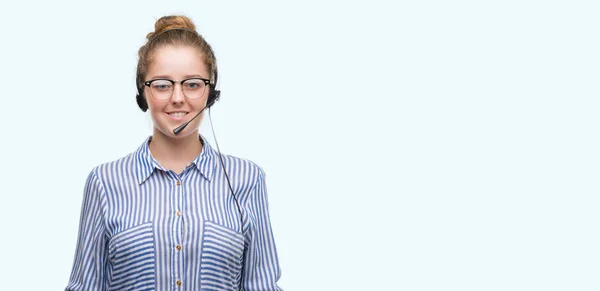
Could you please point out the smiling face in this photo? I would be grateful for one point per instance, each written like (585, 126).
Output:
(176, 63)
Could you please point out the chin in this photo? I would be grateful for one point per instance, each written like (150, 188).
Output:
(169, 132)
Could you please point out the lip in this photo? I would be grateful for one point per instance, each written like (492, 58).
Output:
(181, 118)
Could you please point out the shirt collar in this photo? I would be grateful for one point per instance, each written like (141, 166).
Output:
(146, 164)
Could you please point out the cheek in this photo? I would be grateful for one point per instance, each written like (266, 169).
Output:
(199, 105)
(153, 103)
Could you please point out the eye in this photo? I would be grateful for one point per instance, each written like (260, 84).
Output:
(193, 84)
(161, 85)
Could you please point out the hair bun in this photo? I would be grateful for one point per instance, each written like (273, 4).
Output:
(172, 22)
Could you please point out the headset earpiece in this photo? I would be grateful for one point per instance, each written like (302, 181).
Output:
(213, 94)
(141, 101)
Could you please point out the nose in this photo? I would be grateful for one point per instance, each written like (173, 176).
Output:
(177, 96)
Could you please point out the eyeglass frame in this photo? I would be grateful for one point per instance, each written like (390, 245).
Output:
(173, 82)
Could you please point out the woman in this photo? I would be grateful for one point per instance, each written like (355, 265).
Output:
(175, 214)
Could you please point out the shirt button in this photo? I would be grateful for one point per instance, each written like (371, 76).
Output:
(178, 213)
(178, 247)
(178, 282)
(178, 183)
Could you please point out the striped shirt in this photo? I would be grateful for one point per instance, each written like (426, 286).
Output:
(143, 227)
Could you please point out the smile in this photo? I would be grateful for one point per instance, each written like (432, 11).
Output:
(178, 114)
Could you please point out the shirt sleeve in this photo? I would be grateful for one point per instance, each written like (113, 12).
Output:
(261, 265)
(89, 265)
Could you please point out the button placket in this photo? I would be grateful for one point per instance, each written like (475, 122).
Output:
(177, 230)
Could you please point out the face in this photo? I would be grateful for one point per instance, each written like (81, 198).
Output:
(176, 63)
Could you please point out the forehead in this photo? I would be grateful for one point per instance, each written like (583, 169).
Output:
(177, 61)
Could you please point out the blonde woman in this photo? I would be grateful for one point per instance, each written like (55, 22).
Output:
(175, 214)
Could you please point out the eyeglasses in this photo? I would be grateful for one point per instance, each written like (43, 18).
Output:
(162, 89)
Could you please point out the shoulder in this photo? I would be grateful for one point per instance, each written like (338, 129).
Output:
(243, 172)
(122, 167)
(241, 164)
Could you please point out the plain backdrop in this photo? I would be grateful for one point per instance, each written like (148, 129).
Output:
(408, 145)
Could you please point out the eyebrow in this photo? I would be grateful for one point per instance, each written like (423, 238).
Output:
(184, 77)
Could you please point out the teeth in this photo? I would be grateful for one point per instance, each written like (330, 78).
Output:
(177, 114)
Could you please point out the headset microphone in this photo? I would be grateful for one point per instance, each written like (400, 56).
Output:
(180, 128)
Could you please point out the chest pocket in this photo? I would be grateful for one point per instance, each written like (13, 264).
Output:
(132, 255)
(222, 257)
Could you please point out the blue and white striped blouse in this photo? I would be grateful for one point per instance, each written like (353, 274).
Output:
(144, 227)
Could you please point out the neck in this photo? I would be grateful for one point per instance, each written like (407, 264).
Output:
(167, 150)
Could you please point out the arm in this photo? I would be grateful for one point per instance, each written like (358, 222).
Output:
(261, 266)
(88, 272)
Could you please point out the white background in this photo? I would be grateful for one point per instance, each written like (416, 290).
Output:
(408, 145)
